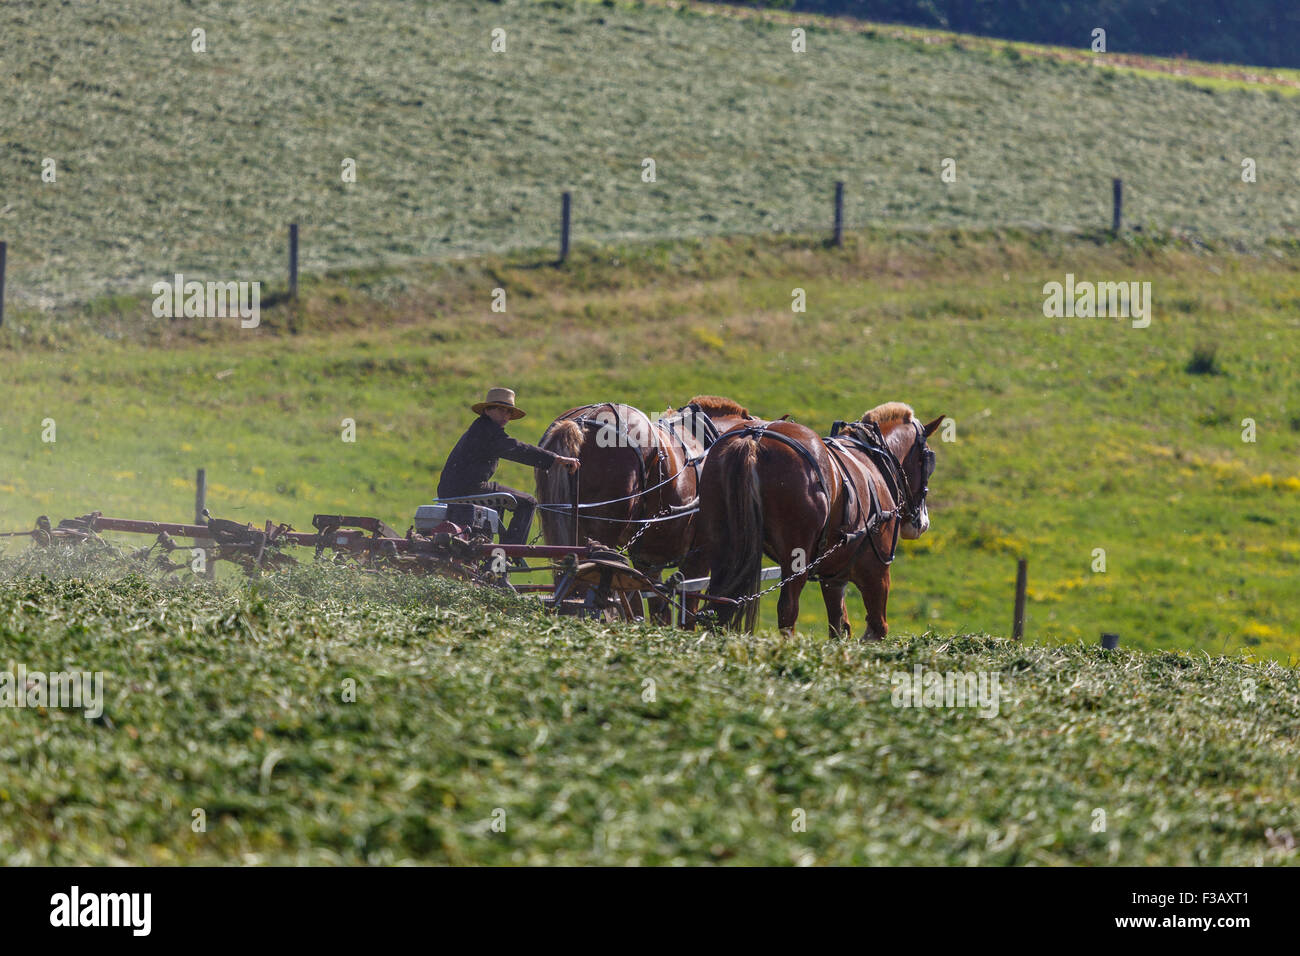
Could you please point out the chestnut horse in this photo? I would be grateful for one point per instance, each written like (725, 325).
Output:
(834, 507)
(637, 480)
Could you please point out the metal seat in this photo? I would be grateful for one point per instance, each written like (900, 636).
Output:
(497, 501)
(473, 510)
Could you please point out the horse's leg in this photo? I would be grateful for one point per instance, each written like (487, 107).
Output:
(873, 582)
(837, 612)
(787, 608)
(789, 545)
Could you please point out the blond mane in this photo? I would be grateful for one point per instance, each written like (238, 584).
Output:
(716, 405)
(890, 413)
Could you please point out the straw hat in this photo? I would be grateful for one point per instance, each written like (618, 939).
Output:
(504, 397)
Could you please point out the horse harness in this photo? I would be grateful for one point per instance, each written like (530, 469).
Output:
(622, 432)
(624, 437)
(759, 432)
(706, 431)
(867, 438)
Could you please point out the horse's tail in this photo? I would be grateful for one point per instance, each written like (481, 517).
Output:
(555, 485)
(737, 546)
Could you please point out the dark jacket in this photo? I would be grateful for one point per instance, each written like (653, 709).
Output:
(473, 461)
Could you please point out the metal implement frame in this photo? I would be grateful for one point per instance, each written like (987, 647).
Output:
(591, 580)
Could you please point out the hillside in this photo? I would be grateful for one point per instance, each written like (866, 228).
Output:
(168, 161)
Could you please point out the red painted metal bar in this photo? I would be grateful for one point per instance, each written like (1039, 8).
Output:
(147, 527)
(343, 532)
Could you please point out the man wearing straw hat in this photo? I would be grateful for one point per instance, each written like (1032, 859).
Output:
(472, 463)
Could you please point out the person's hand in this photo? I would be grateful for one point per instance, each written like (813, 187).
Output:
(570, 464)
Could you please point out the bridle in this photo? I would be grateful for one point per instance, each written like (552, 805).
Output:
(911, 512)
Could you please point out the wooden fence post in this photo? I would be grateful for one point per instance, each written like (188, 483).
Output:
(566, 202)
(1117, 211)
(293, 260)
(4, 249)
(200, 496)
(838, 238)
(1022, 580)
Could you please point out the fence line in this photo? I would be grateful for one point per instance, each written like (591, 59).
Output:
(566, 230)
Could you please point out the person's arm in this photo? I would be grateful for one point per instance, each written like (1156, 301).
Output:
(514, 450)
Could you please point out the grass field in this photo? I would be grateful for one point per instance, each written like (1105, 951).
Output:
(171, 161)
(1071, 434)
(588, 744)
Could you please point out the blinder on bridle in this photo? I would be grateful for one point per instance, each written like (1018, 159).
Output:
(912, 513)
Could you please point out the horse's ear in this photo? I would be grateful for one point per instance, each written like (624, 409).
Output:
(929, 429)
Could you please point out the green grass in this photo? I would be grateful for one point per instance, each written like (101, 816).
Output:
(171, 161)
(1071, 434)
(610, 745)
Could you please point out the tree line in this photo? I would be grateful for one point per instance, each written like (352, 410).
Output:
(1259, 32)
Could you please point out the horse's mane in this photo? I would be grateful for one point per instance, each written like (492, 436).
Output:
(890, 413)
(716, 405)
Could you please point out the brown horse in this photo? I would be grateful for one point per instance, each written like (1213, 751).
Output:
(834, 507)
(637, 480)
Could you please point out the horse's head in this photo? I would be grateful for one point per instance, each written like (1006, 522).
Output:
(906, 437)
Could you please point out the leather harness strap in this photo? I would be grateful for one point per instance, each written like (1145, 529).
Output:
(876, 514)
(624, 435)
(707, 439)
(698, 414)
(867, 437)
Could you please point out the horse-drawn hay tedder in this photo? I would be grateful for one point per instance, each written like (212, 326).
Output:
(588, 580)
